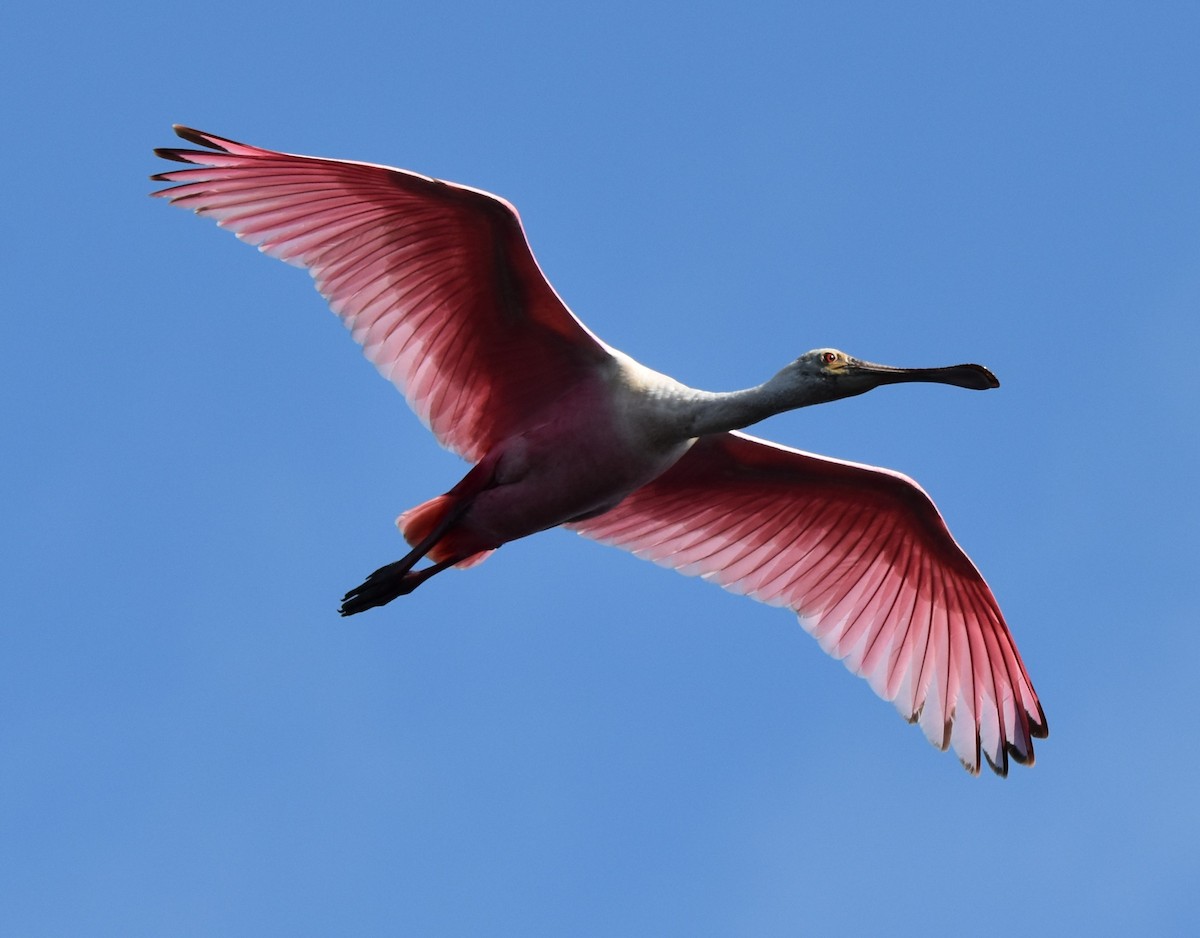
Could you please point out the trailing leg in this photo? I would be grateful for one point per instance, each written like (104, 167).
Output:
(430, 529)
(388, 583)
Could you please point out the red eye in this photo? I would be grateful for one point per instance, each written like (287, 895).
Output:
(828, 357)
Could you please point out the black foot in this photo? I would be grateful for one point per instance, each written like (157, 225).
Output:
(388, 583)
(381, 587)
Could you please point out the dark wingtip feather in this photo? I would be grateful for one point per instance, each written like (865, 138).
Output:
(198, 137)
(167, 153)
(1019, 757)
(1002, 768)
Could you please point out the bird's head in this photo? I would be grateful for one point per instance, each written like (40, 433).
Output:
(826, 374)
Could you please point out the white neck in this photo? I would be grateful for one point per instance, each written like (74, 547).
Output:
(704, 412)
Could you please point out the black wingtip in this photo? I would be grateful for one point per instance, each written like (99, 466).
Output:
(1002, 768)
(198, 137)
(167, 153)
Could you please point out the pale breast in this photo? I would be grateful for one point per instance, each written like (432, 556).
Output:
(584, 453)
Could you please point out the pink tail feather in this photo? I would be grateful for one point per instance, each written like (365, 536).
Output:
(418, 523)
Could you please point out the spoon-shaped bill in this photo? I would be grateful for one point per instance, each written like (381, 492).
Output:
(973, 377)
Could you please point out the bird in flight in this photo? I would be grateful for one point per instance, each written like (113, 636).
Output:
(437, 283)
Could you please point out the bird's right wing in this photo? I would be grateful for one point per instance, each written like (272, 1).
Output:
(436, 281)
(864, 558)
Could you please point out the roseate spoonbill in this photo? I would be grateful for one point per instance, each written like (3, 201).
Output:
(437, 283)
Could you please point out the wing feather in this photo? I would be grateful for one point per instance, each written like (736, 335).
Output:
(436, 281)
(863, 557)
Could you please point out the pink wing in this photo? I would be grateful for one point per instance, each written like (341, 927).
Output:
(864, 558)
(436, 281)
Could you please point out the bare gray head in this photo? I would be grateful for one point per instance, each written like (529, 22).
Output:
(827, 374)
(816, 377)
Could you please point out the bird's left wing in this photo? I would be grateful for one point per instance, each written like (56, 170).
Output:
(436, 281)
(864, 558)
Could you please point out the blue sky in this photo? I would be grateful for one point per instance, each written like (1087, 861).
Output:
(565, 740)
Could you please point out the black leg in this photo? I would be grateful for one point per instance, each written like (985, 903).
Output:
(388, 583)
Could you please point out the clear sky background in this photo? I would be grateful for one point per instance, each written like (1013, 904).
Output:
(566, 740)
